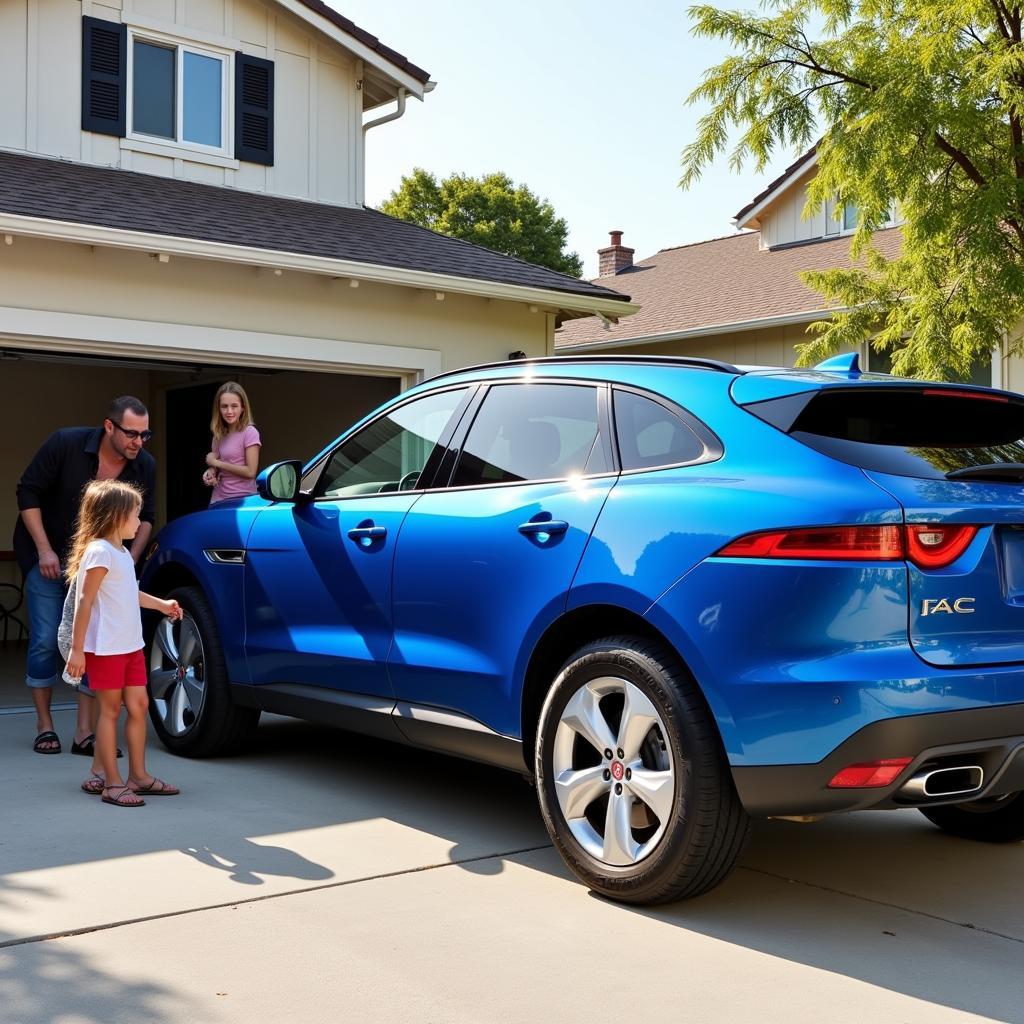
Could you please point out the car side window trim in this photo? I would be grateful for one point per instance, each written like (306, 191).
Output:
(430, 467)
(713, 448)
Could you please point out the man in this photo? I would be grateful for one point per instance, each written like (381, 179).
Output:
(48, 497)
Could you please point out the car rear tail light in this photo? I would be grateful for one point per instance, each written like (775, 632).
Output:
(926, 545)
(932, 547)
(865, 543)
(869, 774)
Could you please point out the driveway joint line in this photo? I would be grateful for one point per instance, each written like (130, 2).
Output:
(88, 929)
(886, 903)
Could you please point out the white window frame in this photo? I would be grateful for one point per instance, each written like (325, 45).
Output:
(844, 230)
(227, 111)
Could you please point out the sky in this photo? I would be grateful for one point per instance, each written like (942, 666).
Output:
(583, 102)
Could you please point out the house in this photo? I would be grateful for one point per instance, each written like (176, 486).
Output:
(740, 298)
(181, 202)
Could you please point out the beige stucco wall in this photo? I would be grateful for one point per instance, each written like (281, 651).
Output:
(318, 122)
(42, 275)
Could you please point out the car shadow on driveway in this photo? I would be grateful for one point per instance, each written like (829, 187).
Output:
(882, 897)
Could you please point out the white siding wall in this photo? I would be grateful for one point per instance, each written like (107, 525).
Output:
(317, 127)
(784, 221)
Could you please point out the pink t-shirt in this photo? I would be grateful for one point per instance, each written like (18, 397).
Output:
(231, 448)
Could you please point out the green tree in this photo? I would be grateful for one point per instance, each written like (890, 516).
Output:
(915, 102)
(491, 211)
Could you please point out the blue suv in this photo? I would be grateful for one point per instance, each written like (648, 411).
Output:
(673, 593)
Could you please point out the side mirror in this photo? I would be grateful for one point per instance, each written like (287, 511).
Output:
(280, 482)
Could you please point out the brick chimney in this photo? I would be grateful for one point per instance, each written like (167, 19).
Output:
(615, 258)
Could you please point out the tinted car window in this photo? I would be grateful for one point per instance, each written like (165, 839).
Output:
(922, 432)
(389, 454)
(532, 432)
(650, 435)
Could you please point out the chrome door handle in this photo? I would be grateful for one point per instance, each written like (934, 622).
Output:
(550, 526)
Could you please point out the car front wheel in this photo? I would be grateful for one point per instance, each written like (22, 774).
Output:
(633, 783)
(991, 820)
(190, 701)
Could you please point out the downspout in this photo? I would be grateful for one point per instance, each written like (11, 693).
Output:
(393, 116)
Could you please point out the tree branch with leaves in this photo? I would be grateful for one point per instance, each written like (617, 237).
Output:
(917, 104)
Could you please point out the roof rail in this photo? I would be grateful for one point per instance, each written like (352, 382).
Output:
(700, 364)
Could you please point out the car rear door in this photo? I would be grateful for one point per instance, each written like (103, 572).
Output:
(485, 564)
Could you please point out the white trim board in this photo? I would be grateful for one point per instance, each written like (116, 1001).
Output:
(142, 339)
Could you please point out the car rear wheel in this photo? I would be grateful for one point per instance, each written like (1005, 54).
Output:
(190, 702)
(633, 783)
(991, 820)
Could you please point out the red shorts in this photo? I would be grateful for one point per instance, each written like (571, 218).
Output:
(115, 671)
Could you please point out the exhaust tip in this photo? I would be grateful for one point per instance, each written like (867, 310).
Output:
(961, 780)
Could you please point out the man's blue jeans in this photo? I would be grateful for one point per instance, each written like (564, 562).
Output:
(45, 605)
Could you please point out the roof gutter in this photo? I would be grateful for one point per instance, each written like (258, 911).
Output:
(733, 327)
(170, 245)
(393, 116)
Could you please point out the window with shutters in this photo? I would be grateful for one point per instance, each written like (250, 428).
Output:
(179, 94)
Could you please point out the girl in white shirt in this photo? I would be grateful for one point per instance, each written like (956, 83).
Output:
(106, 639)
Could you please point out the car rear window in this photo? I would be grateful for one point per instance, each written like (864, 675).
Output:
(920, 432)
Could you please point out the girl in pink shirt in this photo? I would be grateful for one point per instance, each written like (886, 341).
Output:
(234, 460)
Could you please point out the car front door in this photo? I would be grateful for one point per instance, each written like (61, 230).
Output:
(483, 565)
(318, 572)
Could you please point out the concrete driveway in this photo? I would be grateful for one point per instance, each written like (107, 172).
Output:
(327, 878)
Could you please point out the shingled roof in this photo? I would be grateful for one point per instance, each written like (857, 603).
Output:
(722, 283)
(128, 201)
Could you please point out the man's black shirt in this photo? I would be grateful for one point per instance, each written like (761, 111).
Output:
(55, 479)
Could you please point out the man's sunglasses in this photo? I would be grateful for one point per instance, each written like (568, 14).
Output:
(134, 435)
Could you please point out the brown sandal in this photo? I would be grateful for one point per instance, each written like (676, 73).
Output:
(94, 785)
(124, 796)
(155, 787)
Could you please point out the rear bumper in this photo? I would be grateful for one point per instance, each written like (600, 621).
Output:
(990, 737)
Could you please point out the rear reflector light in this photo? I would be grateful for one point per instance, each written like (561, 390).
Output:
(869, 774)
(926, 545)
(932, 547)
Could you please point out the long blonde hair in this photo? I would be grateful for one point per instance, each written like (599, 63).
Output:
(218, 427)
(106, 506)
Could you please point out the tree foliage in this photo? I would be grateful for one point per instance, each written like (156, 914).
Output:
(491, 210)
(912, 102)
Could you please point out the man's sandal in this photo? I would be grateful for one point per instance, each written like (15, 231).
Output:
(44, 738)
(123, 796)
(94, 785)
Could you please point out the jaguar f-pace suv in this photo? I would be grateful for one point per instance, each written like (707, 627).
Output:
(674, 593)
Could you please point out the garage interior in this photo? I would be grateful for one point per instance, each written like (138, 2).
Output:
(296, 411)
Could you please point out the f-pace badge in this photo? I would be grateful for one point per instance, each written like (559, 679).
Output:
(957, 606)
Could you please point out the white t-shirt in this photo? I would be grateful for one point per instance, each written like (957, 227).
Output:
(115, 626)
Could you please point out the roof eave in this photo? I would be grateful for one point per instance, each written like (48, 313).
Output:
(367, 54)
(172, 245)
(728, 327)
(748, 216)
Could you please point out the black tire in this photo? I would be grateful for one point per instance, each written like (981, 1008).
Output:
(220, 726)
(993, 820)
(706, 827)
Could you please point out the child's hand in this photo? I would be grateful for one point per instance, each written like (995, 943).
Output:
(76, 664)
(210, 478)
(172, 610)
(211, 460)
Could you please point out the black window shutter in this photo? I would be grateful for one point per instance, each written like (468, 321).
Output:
(254, 109)
(104, 76)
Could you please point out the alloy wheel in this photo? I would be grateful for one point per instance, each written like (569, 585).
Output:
(613, 772)
(177, 674)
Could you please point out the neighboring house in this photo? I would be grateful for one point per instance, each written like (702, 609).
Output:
(181, 201)
(740, 298)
